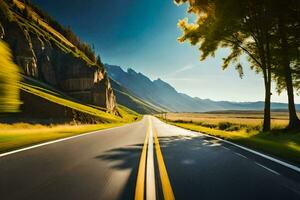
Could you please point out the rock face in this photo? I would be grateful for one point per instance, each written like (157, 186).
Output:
(41, 58)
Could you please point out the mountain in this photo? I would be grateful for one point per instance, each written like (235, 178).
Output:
(128, 99)
(163, 95)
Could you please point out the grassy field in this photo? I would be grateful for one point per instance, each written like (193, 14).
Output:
(246, 119)
(245, 128)
(15, 136)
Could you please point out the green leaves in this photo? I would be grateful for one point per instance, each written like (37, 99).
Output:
(219, 24)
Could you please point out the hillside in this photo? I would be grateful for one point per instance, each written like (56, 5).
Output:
(61, 78)
(128, 99)
(162, 94)
(45, 103)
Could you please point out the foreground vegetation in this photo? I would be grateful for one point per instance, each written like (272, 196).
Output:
(9, 79)
(20, 135)
(244, 129)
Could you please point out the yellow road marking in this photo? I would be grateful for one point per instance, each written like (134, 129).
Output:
(165, 181)
(140, 182)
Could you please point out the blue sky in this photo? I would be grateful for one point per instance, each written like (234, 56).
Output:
(142, 35)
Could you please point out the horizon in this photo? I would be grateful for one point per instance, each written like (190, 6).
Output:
(158, 78)
(125, 42)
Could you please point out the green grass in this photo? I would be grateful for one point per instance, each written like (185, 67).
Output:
(127, 114)
(278, 142)
(20, 135)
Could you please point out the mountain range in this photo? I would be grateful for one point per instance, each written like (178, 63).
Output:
(164, 97)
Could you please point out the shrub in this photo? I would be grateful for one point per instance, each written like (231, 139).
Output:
(208, 125)
(224, 125)
(234, 128)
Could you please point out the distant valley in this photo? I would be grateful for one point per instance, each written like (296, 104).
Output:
(163, 96)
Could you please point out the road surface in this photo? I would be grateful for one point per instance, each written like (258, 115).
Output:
(148, 159)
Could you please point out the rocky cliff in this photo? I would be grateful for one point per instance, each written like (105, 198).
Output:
(42, 55)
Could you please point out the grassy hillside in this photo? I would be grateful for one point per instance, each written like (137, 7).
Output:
(43, 24)
(43, 29)
(50, 94)
(57, 98)
(13, 10)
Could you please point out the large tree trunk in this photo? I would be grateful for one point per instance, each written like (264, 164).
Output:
(266, 67)
(294, 122)
(267, 109)
(267, 81)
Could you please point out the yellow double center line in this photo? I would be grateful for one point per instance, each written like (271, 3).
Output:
(141, 180)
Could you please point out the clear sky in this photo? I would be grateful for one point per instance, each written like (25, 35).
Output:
(142, 34)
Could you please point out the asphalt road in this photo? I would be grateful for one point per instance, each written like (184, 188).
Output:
(105, 165)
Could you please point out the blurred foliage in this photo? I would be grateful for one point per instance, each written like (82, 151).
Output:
(9, 81)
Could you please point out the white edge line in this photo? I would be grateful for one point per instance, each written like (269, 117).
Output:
(226, 148)
(267, 168)
(59, 140)
(293, 167)
(241, 155)
(297, 169)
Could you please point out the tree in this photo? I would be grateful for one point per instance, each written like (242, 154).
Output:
(242, 26)
(287, 16)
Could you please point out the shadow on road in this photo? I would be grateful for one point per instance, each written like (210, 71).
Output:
(125, 158)
(206, 170)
